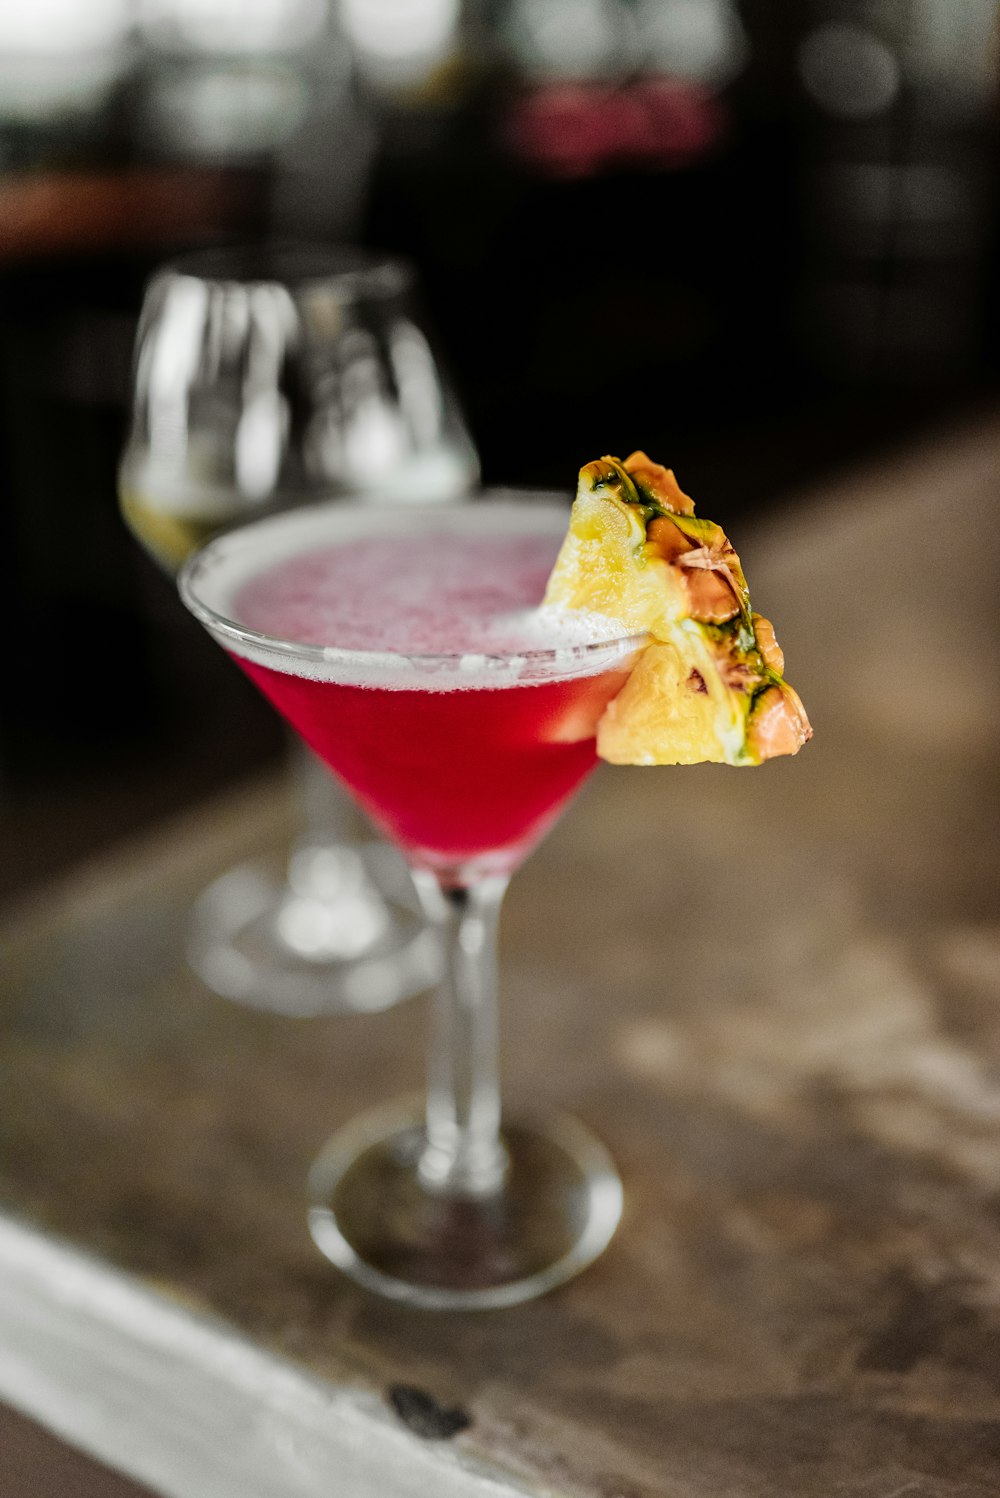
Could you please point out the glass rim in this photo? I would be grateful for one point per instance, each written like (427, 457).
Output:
(225, 628)
(298, 265)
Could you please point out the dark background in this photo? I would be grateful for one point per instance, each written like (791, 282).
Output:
(757, 239)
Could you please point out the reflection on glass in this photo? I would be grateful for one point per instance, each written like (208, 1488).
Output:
(263, 382)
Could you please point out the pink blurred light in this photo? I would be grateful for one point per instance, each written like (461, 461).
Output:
(577, 130)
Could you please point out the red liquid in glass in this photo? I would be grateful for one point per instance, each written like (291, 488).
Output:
(456, 776)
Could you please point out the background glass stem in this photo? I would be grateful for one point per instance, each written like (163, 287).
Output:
(329, 816)
(464, 1155)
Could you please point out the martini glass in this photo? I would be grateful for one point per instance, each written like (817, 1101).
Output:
(463, 748)
(270, 376)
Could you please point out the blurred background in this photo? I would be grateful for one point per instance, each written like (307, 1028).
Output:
(756, 237)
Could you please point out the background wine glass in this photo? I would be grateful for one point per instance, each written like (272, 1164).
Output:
(267, 377)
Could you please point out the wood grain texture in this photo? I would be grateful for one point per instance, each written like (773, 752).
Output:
(772, 993)
(35, 1465)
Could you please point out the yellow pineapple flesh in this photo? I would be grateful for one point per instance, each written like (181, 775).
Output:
(709, 684)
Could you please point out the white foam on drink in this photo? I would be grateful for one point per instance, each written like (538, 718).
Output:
(547, 627)
(440, 599)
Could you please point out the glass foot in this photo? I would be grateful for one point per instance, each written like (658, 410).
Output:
(371, 1215)
(335, 931)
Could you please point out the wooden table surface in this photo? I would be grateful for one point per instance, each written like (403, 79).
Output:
(773, 993)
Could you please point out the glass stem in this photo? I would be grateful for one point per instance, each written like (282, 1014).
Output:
(325, 810)
(464, 1154)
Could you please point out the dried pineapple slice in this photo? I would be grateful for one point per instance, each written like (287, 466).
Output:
(709, 684)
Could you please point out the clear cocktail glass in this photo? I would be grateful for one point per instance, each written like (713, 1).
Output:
(465, 761)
